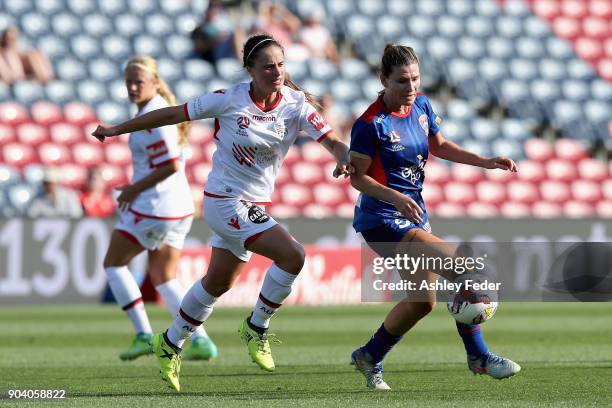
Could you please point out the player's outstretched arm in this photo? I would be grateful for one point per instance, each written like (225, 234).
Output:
(447, 150)
(154, 119)
(340, 151)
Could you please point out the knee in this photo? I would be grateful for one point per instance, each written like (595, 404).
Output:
(293, 259)
(216, 287)
(424, 308)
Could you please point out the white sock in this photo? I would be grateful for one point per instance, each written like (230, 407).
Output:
(172, 293)
(275, 289)
(128, 296)
(195, 308)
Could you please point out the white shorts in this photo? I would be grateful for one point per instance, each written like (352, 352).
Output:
(234, 222)
(151, 233)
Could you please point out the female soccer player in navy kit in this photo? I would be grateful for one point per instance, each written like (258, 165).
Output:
(390, 144)
(255, 124)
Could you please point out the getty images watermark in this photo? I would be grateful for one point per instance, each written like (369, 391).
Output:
(507, 271)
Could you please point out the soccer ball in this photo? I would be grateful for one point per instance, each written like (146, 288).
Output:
(470, 307)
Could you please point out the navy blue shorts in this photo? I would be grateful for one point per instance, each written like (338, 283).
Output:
(391, 231)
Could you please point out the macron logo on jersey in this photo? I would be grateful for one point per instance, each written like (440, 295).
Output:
(245, 156)
(316, 120)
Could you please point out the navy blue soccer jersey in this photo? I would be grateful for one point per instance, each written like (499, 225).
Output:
(398, 146)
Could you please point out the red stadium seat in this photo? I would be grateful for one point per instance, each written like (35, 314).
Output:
(295, 194)
(548, 9)
(574, 8)
(555, 191)
(515, 210)
(283, 176)
(317, 211)
(294, 155)
(490, 192)
(606, 189)
(353, 194)
(32, 134)
(466, 174)
(73, 175)
(578, 209)
(330, 195)
(88, 154)
(283, 211)
(604, 209)
(592, 169)
(531, 171)
(561, 170)
(208, 151)
(200, 173)
(432, 194)
(436, 172)
(523, 192)
(53, 154)
(596, 27)
(113, 175)
(18, 155)
(315, 153)
(604, 67)
(539, 150)
(79, 113)
(586, 191)
(546, 209)
(346, 210)
(482, 210)
(12, 113)
(499, 176)
(197, 193)
(307, 173)
(567, 27)
(193, 155)
(590, 49)
(448, 210)
(7, 134)
(459, 193)
(117, 153)
(200, 134)
(601, 8)
(46, 113)
(568, 149)
(66, 133)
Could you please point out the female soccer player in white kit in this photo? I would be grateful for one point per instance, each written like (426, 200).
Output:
(156, 213)
(255, 124)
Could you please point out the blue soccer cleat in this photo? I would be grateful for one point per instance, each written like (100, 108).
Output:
(493, 366)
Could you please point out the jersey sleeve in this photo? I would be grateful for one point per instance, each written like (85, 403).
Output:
(433, 119)
(207, 106)
(364, 140)
(162, 147)
(313, 123)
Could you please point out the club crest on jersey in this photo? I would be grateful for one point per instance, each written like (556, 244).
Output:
(424, 123)
(316, 120)
(280, 128)
(243, 122)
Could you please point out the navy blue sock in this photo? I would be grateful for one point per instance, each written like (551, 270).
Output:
(380, 344)
(472, 339)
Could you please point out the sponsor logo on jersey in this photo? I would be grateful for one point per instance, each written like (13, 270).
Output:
(233, 222)
(394, 137)
(423, 121)
(264, 118)
(414, 173)
(257, 214)
(243, 122)
(316, 120)
(245, 156)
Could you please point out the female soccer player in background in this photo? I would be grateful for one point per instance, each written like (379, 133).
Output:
(156, 213)
(255, 124)
(390, 144)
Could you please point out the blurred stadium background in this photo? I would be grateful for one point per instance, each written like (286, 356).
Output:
(528, 79)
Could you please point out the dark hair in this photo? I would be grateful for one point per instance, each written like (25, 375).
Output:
(251, 49)
(397, 55)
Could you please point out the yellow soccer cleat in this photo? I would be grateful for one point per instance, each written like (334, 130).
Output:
(169, 360)
(258, 346)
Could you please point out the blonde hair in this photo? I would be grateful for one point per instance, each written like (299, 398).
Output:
(149, 65)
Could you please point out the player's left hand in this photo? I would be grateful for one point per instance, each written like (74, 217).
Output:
(503, 163)
(127, 196)
(343, 169)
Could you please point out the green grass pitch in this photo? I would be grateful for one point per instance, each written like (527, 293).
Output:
(565, 351)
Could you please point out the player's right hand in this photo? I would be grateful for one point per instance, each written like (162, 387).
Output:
(409, 209)
(102, 132)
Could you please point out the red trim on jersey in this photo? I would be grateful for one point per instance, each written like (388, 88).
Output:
(217, 127)
(376, 170)
(211, 195)
(149, 131)
(162, 164)
(132, 304)
(157, 145)
(279, 97)
(129, 236)
(156, 155)
(252, 239)
(153, 217)
(189, 319)
(373, 110)
(323, 136)
(186, 111)
(222, 91)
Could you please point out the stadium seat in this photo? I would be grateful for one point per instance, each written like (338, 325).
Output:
(200, 173)
(117, 47)
(54, 154)
(559, 49)
(531, 171)
(32, 134)
(179, 47)
(92, 92)
(46, 113)
(491, 192)
(317, 211)
(73, 175)
(146, 45)
(81, 7)
(112, 112)
(113, 175)
(315, 153)
(329, 194)
(97, 25)
(18, 154)
(283, 176)
(295, 194)
(33, 173)
(508, 148)
(193, 155)
(88, 154)
(283, 211)
(561, 170)
(546, 209)
(60, 92)
(345, 210)
(12, 113)
(117, 153)
(604, 209)
(592, 169)
(520, 191)
(466, 174)
(555, 191)
(66, 25)
(20, 196)
(571, 150)
(159, 25)
(432, 194)
(576, 90)
(353, 69)
(79, 113)
(515, 129)
(459, 193)
(344, 90)
(28, 92)
(103, 70)
(448, 210)
(586, 191)
(437, 172)
(8, 175)
(305, 173)
(128, 25)
(515, 210)
(481, 210)
(85, 47)
(478, 147)
(169, 70)
(539, 150)
(187, 89)
(578, 209)
(567, 27)
(479, 26)
(7, 134)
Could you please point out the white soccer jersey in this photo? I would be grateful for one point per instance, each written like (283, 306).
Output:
(252, 142)
(153, 148)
